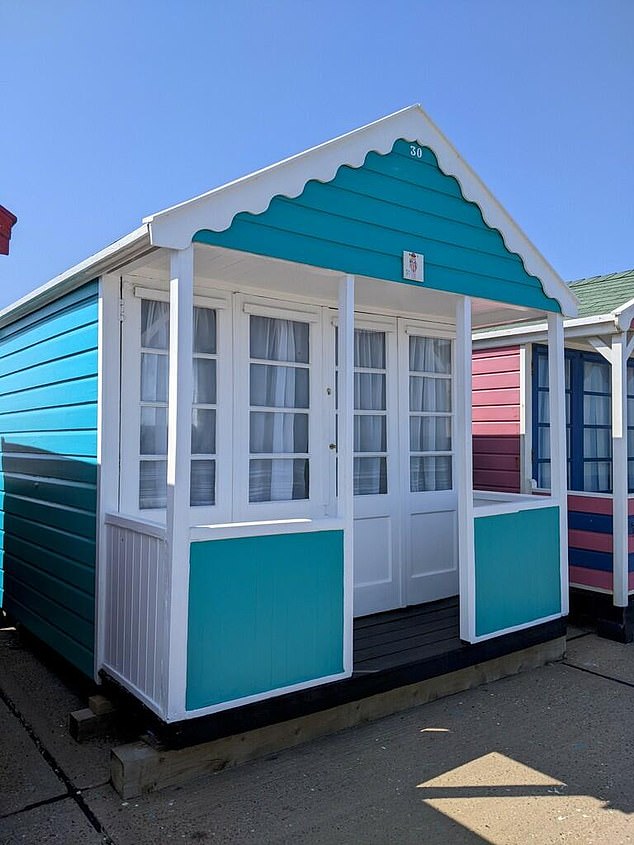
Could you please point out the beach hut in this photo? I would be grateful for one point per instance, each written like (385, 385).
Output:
(511, 422)
(236, 451)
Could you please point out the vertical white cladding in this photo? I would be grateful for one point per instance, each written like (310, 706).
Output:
(135, 605)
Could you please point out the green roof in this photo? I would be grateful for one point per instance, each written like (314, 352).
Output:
(603, 294)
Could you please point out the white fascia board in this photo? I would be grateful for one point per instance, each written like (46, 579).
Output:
(175, 227)
(623, 315)
(115, 255)
(577, 327)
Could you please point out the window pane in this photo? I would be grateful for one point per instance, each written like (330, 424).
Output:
(204, 381)
(203, 431)
(369, 391)
(430, 473)
(279, 340)
(369, 349)
(597, 477)
(429, 394)
(270, 432)
(153, 440)
(630, 442)
(202, 487)
(596, 376)
(155, 329)
(278, 479)
(430, 434)
(543, 475)
(630, 476)
(152, 484)
(543, 407)
(429, 355)
(543, 442)
(542, 371)
(279, 387)
(630, 380)
(597, 443)
(597, 410)
(205, 330)
(370, 433)
(370, 476)
(153, 377)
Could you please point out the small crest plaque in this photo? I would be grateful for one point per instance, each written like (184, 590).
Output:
(413, 266)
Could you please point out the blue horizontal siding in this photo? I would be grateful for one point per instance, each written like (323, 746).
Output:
(590, 560)
(362, 220)
(597, 522)
(48, 477)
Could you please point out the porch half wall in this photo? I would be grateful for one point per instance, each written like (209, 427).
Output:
(517, 569)
(265, 614)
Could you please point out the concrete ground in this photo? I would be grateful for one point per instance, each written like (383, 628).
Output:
(542, 757)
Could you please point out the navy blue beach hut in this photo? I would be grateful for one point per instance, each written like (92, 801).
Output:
(240, 435)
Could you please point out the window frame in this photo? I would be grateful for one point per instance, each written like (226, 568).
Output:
(133, 293)
(575, 421)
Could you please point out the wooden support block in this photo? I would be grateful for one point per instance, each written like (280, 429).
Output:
(84, 724)
(138, 768)
(100, 705)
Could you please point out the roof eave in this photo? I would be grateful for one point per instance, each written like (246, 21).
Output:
(114, 256)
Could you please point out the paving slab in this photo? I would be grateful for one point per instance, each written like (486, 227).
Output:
(541, 757)
(25, 777)
(45, 699)
(62, 823)
(605, 657)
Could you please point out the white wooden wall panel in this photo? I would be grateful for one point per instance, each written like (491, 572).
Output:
(136, 612)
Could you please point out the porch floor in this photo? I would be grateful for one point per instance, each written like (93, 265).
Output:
(391, 650)
(408, 635)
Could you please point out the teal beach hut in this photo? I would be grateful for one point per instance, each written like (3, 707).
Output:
(236, 443)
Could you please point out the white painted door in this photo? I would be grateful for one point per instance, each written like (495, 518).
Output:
(405, 527)
(377, 532)
(427, 432)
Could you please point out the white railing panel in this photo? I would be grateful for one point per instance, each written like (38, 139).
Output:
(136, 609)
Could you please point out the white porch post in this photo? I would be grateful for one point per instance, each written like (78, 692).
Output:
(345, 456)
(558, 462)
(178, 471)
(463, 451)
(619, 470)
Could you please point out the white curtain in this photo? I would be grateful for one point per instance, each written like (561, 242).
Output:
(430, 393)
(597, 442)
(278, 432)
(370, 430)
(153, 418)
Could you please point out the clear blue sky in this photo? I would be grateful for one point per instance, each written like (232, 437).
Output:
(111, 111)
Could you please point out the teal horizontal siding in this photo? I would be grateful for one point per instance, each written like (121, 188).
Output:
(517, 577)
(48, 478)
(264, 613)
(363, 220)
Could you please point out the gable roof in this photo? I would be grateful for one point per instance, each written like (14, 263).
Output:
(215, 210)
(604, 294)
(174, 227)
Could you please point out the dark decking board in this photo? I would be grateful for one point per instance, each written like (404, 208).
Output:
(391, 650)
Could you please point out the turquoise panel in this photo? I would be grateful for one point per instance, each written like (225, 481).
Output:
(517, 577)
(48, 472)
(363, 220)
(264, 613)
